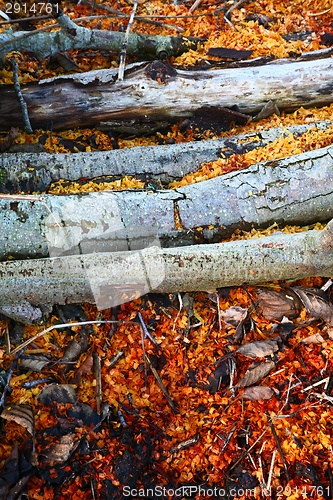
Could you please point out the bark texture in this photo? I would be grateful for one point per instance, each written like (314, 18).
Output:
(159, 92)
(108, 279)
(36, 171)
(295, 190)
(75, 37)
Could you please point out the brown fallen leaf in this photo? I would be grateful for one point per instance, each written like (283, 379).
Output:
(22, 415)
(276, 305)
(258, 349)
(234, 315)
(316, 338)
(60, 451)
(84, 368)
(316, 304)
(257, 393)
(256, 373)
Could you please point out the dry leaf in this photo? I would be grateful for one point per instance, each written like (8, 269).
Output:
(275, 305)
(84, 368)
(234, 315)
(22, 415)
(316, 338)
(330, 333)
(60, 452)
(57, 393)
(316, 304)
(34, 363)
(257, 393)
(258, 372)
(258, 349)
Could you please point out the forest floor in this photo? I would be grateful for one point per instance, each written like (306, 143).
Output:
(222, 395)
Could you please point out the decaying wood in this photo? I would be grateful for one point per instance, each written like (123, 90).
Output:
(294, 190)
(108, 279)
(159, 92)
(75, 37)
(36, 171)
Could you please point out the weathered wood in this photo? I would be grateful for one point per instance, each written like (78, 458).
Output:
(159, 92)
(36, 171)
(75, 37)
(295, 190)
(108, 279)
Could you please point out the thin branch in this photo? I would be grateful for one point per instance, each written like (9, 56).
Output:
(66, 325)
(24, 19)
(162, 386)
(194, 6)
(271, 469)
(278, 445)
(141, 19)
(23, 104)
(121, 70)
(98, 377)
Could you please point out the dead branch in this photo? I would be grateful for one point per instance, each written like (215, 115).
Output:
(158, 92)
(75, 37)
(164, 164)
(110, 278)
(294, 190)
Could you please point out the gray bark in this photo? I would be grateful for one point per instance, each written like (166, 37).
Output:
(108, 279)
(159, 92)
(75, 37)
(36, 171)
(295, 190)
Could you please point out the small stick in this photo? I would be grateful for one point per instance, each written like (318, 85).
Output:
(97, 366)
(162, 386)
(323, 381)
(115, 358)
(65, 325)
(194, 6)
(23, 19)
(288, 390)
(141, 19)
(262, 480)
(278, 445)
(270, 474)
(23, 104)
(218, 310)
(325, 287)
(185, 444)
(147, 333)
(121, 70)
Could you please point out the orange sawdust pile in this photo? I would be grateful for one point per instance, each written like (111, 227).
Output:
(213, 432)
(209, 431)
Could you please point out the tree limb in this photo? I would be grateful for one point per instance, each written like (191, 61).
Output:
(294, 190)
(157, 92)
(108, 279)
(36, 171)
(75, 37)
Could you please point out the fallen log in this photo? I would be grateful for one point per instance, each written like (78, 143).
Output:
(294, 190)
(75, 37)
(36, 171)
(159, 92)
(108, 279)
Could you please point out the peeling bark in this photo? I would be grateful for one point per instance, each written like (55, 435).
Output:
(159, 92)
(294, 190)
(36, 171)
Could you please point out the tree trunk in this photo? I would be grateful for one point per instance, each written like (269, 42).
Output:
(295, 190)
(157, 91)
(108, 279)
(36, 171)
